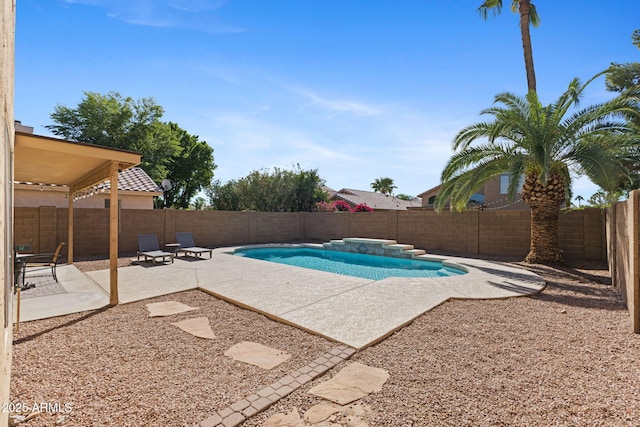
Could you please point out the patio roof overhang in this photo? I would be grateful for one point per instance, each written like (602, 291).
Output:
(44, 160)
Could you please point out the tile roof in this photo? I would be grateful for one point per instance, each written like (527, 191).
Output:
(374, 200)
(132, 179)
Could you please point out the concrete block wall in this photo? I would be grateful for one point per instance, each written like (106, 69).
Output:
(472, 232)
(432, 231)
(623, 243)
(324, 226)
(379, 225)
(26, 226)
(504, 233)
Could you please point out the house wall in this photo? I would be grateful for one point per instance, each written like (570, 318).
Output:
(7, 134)
(474, 232)
(28, 196)
(623, 243)
(426, 196)
(493, 198)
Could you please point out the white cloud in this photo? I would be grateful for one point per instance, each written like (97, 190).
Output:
(339, 106)
(192, 14)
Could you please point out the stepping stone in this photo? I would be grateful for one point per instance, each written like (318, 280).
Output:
(257, 354)
(320, 412)
(353, 382)
(167, 308)
(290, 419)
(198, 326)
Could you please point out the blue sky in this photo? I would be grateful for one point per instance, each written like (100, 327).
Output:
(359, 89)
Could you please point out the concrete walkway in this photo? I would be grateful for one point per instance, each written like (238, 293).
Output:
(353, 311)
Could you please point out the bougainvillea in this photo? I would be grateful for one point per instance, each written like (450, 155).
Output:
(324, 207)
(362, 208)
(342, 206)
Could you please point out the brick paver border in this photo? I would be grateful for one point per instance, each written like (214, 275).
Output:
(247, 407)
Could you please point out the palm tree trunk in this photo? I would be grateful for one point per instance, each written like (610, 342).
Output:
(545, 245)
(544, 200)
(524, 6)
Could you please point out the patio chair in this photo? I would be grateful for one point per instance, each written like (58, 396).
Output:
(185, 240)
(43, 260)
(149, 248)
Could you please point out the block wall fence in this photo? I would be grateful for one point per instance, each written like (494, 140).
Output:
(475, 233)
(623, 245)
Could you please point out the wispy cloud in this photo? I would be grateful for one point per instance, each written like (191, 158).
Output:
(192, 14)
(336, 106)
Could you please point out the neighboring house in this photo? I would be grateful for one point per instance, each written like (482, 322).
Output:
(136, 190)
(376, 201)
(492, 195)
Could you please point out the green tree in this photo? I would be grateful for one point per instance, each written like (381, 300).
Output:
(266, 191)
(604, 199)
(579, 199)
(383, 185)
(405, 197)
(224, 197)
(621, 77)
(541, 143)
(113, 121)
(528, 16)
(189, 171)
(198, 204)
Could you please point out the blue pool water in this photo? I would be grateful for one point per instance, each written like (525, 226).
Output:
(351, 264)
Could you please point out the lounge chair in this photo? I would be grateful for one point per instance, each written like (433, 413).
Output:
(187, 246)
(149, 248)
(40, 261)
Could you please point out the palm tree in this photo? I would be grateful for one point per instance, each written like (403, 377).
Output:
(528, 16)
(383, 185)
(579, 199)
(542, 144)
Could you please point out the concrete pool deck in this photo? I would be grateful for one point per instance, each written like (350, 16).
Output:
(353, 311)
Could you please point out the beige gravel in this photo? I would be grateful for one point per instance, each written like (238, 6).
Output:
(564, 357)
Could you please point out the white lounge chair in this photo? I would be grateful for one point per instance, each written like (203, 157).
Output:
(185, 240)
(148, 247)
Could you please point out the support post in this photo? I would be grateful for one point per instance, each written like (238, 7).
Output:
(70, 230)
(113, 235)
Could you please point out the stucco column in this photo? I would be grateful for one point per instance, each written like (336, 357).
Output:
(7, 138)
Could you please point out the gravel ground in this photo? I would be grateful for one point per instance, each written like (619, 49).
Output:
(564, 357)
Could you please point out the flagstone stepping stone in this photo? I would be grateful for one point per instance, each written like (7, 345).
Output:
(198, 326)
(290, 419)
(167, 308)
(320, 412)
(353, 382)
(257, 354)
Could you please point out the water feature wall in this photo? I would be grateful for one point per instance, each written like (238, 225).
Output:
(382, 247)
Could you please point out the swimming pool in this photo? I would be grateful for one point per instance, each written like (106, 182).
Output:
(367, 266)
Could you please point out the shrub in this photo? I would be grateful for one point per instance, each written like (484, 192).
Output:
(324, 207)
(342, 206)
(362, 208)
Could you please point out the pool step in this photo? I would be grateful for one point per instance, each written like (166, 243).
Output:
(382, 247)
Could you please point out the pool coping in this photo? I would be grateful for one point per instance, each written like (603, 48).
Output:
(354, 311)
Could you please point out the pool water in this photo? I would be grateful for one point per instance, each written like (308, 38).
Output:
(351, 264)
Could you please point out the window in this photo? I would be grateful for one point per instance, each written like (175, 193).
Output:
(107, 203)
(431, 200)
(477, 198)
(504, 183)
